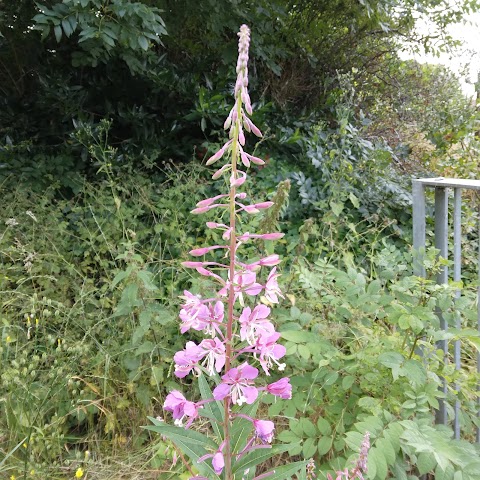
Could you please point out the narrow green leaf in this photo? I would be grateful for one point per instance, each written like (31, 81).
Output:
(354, 200)
(286, 472)
(67, 28)
(106, 39)
(120, 276)
(241, 428)
(58, 33)
(143, 42)
(213, 409)
(191, 443)
(260, 455)
(73, 22)
(45, 32)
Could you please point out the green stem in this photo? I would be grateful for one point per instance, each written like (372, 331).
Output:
(413, 347)
(227, 453)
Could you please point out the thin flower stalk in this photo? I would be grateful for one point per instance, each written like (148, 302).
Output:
(239, 335)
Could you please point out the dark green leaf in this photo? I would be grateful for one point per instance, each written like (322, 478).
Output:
(58, 33)
(143, 42)
(191, 443)
(214, 409)
(286, 472)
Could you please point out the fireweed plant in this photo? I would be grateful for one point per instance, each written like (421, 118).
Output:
(241, 341)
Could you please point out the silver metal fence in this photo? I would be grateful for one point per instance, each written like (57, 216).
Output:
(442, 187)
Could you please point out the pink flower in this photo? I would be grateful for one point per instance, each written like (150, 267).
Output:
(192, 312)
(209, 201)
(221, 171)
(270, 352)
(219, 154)
(272, 290)
(180, 408)
(198, 316)
(214, 318)
(264, 430)
(198, 252)
(237, 383)
(243, 283)
(187, 360)
(269, 261)
(214, 354)
(255, 324)
(256, 207)
(218, 462)
(264, 236)
(281, 388)
(239, 179)
(250, 126)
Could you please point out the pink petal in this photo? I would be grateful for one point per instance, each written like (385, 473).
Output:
(217, 156)
(250, 394)
(221, 391)
(249, 372)
(220, 172)
(241, 136)
(198, 252)
(210, 201)
(238, 181)
(264, 205)
(270, 261)
(192, 264)
(256, 160)
(218, 463)
(245, 159)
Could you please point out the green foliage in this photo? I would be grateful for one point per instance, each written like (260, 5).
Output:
(102, 28)
(86, 329)
(364, 359)
(61, 61)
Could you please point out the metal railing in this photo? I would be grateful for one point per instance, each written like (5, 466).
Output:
(442, 187)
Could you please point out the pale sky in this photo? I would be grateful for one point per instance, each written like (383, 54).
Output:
(465, 62)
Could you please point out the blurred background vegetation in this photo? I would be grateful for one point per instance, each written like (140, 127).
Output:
(108, 110)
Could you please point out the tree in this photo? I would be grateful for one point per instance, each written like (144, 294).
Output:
(152, 66)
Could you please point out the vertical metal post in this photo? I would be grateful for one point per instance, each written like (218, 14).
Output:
(441, 243)
(418, 194)
(457, 273)
(478, 326)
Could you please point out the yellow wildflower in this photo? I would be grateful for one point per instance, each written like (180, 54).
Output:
(79, 473)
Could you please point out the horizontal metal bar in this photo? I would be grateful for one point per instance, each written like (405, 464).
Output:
(450, 182)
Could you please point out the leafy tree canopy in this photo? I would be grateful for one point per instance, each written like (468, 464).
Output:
(154, 66)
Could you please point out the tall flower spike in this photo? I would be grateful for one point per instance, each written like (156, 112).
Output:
(235, 330)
